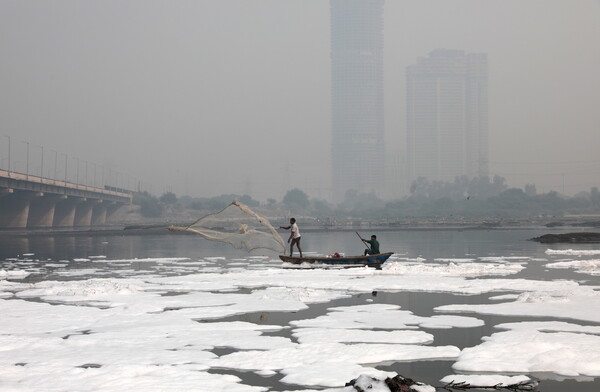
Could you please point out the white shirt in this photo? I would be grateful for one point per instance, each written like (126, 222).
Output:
(295, 231)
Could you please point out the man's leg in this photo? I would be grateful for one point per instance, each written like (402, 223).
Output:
(298, 245)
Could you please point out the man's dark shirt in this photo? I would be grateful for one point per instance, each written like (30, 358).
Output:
(374, 246)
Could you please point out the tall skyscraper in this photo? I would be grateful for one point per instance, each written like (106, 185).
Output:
(447, 116)
(357, 147)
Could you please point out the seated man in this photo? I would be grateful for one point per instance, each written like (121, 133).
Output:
(373, 243)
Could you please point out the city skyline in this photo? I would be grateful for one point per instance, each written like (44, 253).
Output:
(447, 116)
(219, 97)
(357, 108)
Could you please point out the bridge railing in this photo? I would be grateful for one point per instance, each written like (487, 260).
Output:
(65, 184)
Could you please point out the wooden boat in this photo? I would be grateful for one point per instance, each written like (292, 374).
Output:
(343, 261)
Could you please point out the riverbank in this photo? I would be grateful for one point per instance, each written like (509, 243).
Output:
(579, 229)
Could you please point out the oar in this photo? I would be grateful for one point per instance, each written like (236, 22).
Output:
(366, 247)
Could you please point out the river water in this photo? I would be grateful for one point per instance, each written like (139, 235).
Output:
(47, 257)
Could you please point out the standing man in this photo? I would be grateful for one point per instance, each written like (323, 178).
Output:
(373, 243)
(294, 236)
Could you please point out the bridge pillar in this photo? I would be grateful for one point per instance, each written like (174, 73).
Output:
(83, 212)
(14, 210)
(64, 212)
(41, 210)
(99, 214)
(114, 211)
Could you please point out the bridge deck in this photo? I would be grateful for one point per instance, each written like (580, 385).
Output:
(24, 182)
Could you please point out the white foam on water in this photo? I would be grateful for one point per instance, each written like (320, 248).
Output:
(215, 258)
(446, 260)
(301, 362)
(166, 260)
(488, 380)
(379, 316)
(13, 274)
(55, 265)
(54, 348)
(91, 292)
(334, 374)
(453, 269)
(266, 373)
(505, 259)
(423, 388)
(131, 378)
(530, 350)
(215, 306)
(573, 252)
(395, 257)
(504, 297)
(7, 285)
(591, 267)
(196, 263)
(60, 344)
(573, 304)
(87, 288)
(550, 326)
(359, 280)
(324, 335)
(304, 295)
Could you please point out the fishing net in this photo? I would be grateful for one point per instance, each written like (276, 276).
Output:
(239, 226)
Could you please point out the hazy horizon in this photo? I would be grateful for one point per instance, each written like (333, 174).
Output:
(229, 96)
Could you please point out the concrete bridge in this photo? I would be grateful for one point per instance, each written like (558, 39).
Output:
(28, 201)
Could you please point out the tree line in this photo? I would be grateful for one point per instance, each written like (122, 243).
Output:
(469, 198)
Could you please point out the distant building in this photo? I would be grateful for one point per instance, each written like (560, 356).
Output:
(357, 147)
(447, 116)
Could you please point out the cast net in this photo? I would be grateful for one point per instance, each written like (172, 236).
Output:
(239, 226)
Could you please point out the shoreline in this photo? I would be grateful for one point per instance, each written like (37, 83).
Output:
(124, 231)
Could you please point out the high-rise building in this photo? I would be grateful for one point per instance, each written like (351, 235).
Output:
(447, 116)
(357, 147)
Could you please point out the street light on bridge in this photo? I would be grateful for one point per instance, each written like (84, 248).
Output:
(8, 137)
(55, 162)
(27, 164)
(42, 162)
(77, 179)
(66, 160)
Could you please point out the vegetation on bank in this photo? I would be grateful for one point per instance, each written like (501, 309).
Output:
(476, 198)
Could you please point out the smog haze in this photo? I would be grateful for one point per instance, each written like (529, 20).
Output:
(209, 97)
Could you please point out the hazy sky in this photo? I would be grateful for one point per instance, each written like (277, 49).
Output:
(207, 97)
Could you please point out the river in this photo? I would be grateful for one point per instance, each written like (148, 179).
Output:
(149, 260)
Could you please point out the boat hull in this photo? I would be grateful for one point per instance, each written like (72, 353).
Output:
(350, 261)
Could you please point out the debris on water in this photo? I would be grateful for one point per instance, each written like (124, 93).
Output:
(530, 385)
(399, 383)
